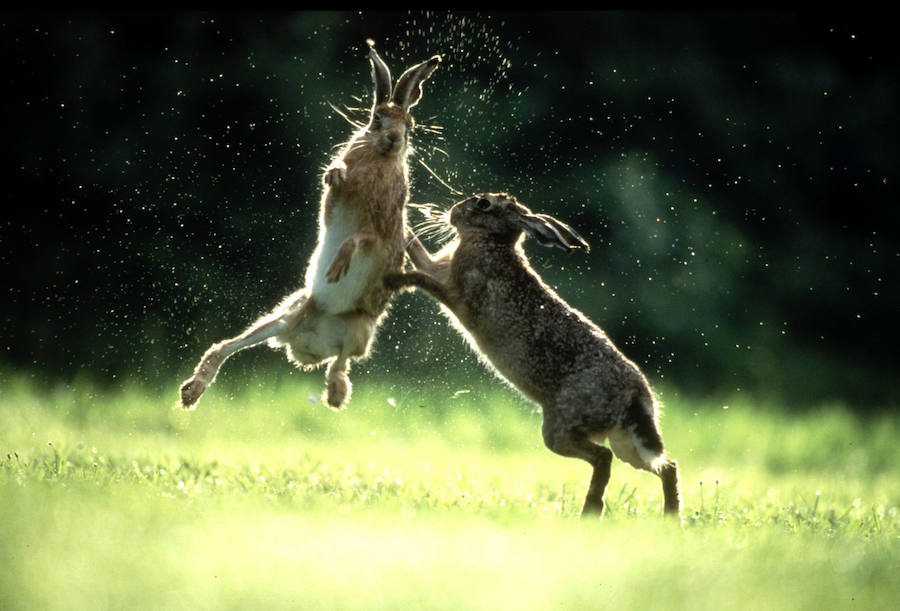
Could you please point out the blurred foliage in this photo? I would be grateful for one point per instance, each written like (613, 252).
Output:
(734, 173)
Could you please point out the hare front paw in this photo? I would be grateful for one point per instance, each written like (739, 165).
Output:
(340, 264)
(335, 175)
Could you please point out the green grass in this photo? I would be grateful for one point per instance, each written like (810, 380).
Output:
(430, 499)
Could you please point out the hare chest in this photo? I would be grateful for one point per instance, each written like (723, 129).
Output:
(343, 295)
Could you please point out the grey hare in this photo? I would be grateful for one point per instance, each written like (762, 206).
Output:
(548, 350)
(362, 222)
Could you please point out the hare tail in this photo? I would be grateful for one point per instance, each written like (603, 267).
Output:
(638, 441)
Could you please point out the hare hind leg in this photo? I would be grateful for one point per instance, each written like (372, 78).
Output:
(573, 444)
(631, 449)
(288, 314)
(602, 463)
(358, 330)
(640, 445)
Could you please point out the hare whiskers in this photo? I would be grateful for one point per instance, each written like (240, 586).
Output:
(356, 125)
(434, 224)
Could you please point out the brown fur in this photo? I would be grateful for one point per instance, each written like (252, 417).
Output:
(362, 221)
(375, 191)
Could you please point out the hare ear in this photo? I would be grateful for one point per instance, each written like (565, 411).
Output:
(381, 75)
(409, 86)
(549, 231)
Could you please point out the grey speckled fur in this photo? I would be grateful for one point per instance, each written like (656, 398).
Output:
(588, 390)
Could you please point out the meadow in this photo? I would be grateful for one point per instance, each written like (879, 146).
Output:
(430, 498)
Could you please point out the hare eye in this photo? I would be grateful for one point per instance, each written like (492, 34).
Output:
(483, 204)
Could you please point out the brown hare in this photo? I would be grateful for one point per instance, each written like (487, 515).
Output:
(362, 222)
(554, 355)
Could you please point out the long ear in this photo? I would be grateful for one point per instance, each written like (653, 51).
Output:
(381, 75)
(549, 231)
(409, 86)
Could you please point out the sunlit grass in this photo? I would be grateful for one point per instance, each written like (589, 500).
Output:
(264, 499)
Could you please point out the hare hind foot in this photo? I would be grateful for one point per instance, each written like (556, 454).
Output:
(671, 493)
(337, 391)
(190, 392)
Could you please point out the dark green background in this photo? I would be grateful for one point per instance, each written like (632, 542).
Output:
(734, 173)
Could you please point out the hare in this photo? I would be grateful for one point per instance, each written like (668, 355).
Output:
(362, 221)
(548, 350)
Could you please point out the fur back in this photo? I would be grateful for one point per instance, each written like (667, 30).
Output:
(531, 336)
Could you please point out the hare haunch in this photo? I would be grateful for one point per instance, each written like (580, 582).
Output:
(362, 221)
(587, 389)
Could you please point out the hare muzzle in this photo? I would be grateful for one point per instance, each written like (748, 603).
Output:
(391, 141)
(455, 214)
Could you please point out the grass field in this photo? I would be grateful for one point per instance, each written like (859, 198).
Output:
(419, 498)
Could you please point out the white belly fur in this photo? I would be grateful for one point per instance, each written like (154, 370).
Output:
(343, 295)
